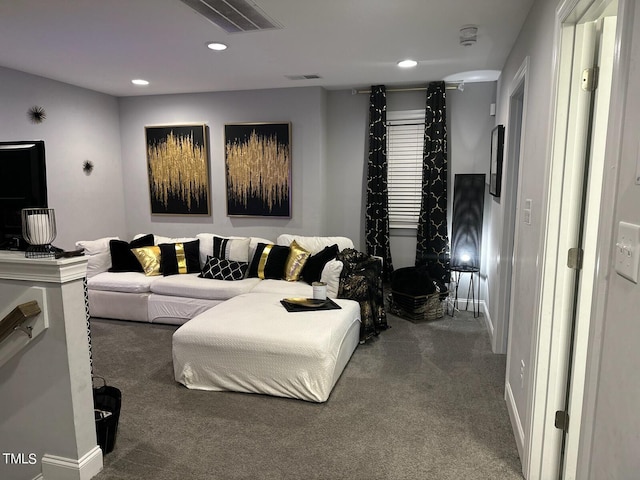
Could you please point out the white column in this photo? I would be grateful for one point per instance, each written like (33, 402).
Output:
(47, 427)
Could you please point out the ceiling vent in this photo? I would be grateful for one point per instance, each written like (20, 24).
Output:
(310, 76)
(233, 16)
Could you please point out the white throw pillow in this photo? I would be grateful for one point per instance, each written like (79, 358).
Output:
(234, 249)
(331, 276)
(206, 244)
(97, 253)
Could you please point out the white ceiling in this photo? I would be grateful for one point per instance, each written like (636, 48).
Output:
(103, 44)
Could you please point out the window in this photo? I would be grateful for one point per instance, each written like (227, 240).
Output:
(405, 143)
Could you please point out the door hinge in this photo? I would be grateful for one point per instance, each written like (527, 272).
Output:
(574, 258)
(562, 420)
(590, 79)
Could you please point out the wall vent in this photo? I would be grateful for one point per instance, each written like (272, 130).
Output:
(233, 16)
(310, 76)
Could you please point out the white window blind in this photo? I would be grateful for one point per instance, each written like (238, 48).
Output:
(405, 143)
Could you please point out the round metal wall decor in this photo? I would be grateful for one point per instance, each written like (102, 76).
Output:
(37, 114)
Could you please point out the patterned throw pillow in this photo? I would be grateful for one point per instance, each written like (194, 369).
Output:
(221, 269)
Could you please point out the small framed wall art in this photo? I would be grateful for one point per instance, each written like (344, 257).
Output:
(178, 166)
(258, 169)
(497, 152)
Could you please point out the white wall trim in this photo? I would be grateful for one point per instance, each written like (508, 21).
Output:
(488, 323)
(516, 425)
(62, 468)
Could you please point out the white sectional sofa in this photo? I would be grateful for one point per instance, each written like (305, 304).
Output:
(175, 299)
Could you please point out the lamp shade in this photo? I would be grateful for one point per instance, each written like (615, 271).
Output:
(39, 230)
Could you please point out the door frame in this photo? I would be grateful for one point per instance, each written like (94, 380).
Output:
(543, 441)
(515, 135)
(606, 229)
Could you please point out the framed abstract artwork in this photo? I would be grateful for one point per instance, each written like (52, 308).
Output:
(258, 169)
(497, 152)
(178, 166)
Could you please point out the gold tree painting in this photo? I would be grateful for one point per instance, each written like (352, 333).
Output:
(178, 163)
(258, 169)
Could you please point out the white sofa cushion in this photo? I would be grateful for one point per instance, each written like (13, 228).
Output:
(284, 288)
(330, 276)
(192, 286)
(97, 253)
(127, 282)
(314, 244)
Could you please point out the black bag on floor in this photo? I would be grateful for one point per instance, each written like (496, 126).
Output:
(107, 401)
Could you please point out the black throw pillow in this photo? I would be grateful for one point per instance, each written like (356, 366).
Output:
(122, 258)
(269, 261)
(176, 258)
(312, 270)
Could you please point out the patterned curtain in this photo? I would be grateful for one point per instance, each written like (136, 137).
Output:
(433, 240)
(377, 209)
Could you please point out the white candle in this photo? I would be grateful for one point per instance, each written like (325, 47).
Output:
(39, 229)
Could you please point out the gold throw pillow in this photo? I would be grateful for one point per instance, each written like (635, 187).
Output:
(149, 258)
(298, 256)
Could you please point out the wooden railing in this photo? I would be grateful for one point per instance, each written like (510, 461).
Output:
(15, 319)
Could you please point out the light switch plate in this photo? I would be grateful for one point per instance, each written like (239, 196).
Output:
(628, 251)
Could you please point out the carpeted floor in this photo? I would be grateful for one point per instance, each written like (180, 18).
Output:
(421, 401)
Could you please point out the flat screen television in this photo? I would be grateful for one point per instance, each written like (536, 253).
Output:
(23, 184)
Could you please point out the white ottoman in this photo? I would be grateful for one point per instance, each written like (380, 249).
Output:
(251, 344)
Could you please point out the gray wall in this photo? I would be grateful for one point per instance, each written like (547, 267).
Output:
(81, 125)
(303, 107)
(536, 42)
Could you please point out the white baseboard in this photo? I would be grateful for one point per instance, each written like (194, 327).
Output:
(516, 424)
(61, 468)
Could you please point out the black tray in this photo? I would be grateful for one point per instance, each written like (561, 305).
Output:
(308, 304)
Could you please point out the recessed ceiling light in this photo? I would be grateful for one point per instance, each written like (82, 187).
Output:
(407, 63)
(217, 46)
(139, 81)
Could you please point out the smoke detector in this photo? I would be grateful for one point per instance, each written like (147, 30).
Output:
(468, 35)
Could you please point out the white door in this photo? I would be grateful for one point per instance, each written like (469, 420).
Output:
(605, 49)
(572, 218)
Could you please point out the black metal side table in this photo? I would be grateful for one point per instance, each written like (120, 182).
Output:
(456, 273)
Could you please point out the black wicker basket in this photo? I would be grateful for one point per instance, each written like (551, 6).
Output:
(417, 308)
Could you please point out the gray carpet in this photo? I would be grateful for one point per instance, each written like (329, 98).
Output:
(421, 401)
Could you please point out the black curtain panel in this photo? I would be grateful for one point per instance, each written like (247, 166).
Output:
(377, 209)
(432, 248)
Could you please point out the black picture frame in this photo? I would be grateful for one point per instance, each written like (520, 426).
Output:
(497, 154)
(178, 167)
(258, 169)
